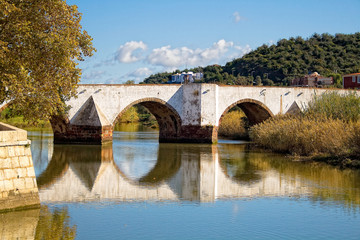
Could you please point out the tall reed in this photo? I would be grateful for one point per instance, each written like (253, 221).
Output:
(329, 126)
(303, 135)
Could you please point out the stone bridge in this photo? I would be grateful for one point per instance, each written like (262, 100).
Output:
(185, 113)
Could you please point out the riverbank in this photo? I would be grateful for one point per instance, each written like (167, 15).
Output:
(328, 131)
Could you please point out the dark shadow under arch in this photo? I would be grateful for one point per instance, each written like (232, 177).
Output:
(167, 117)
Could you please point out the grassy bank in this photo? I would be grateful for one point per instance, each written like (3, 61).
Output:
(328, 131)
(18, 121)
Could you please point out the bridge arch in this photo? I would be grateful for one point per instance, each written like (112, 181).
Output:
(166, 116)
(255, 111)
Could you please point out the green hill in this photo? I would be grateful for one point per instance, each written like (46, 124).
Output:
(278, 63)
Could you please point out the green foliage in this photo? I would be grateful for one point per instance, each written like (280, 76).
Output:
(158, 78)
(333, 105)
(325, 53)
(138, 113)
(279, 63)
(41, 42)
(130, 116)
(329, 126)
(129, 82)
(13, 117)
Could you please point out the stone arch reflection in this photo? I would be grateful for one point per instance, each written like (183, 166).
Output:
(201, 173)
(237, 164)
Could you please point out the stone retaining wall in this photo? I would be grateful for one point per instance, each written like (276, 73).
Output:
(18, 188)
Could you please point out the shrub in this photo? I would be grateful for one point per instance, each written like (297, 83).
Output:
(337, 106)
(129, 116)
(303, 135)
(329, 126)
(234, 125)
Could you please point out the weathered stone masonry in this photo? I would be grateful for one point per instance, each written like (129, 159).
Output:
(185, 113)
(18, 188)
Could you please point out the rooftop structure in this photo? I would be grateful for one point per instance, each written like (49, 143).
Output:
(312, 80)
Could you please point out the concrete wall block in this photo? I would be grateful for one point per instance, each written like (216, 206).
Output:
(29, 183)
(19, 150)
(10, 174)
(24, 161)
(30, 172)
(22, 172)
(15, 162)
(11, 151)
(8, 185)
(3, 152)
(19, 184)
(5, 163)
(27, 151)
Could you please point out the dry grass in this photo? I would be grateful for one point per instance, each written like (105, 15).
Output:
(233, 125)
(305, 136)
(329, 127)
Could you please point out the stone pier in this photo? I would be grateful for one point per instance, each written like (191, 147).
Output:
(18, 188)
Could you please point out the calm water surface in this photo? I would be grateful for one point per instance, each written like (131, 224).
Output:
(137, 188)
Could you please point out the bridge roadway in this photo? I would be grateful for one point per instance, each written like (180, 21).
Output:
(186, 174)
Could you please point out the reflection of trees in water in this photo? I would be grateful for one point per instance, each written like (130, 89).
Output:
(167, 164)
(55, 224)
(236, 162)
(326, 182)
(177, 161)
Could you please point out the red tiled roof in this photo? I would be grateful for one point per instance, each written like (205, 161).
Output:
(351, 74)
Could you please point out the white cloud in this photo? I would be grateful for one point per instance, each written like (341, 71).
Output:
(241, 51)
(93, 75)
(172, 58)
(138, 75)
(237, 18)
(141, 72)
(126, 53)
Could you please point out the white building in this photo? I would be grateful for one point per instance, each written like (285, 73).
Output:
(183, 77)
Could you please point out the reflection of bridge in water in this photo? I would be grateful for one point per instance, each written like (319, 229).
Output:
(182, 172)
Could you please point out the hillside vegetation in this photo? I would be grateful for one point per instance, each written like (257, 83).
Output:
(329, 55)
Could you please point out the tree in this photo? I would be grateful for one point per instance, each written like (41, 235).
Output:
(129, 82)
(41, 42)
(258, 81)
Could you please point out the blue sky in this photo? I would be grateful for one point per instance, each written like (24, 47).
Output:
(137, 38)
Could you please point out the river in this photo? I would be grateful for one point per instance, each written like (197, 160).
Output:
(136, 188)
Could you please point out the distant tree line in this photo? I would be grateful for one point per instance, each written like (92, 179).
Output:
(277, 64)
